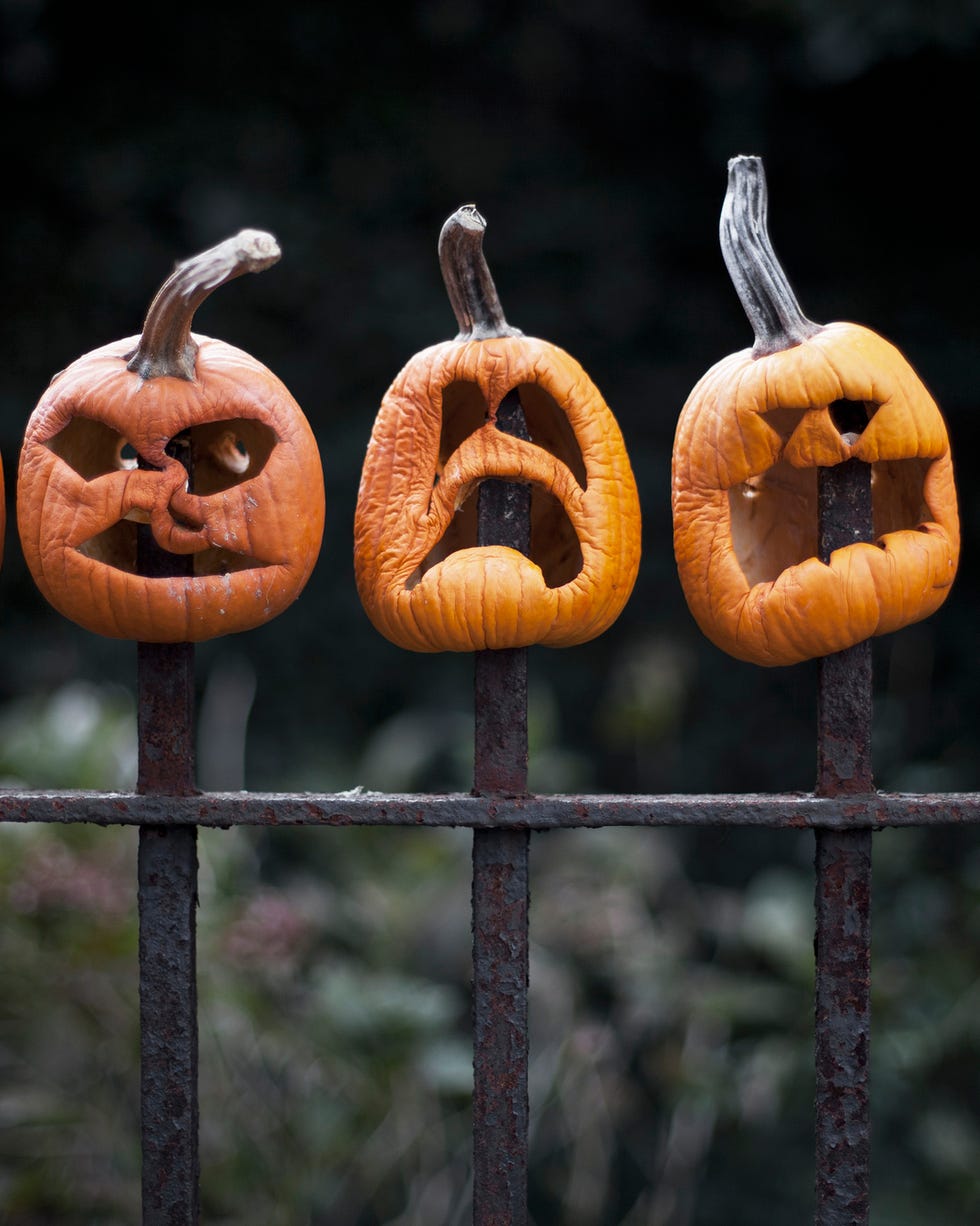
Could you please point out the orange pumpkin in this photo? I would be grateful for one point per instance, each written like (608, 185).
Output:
(100, 459)
(424, 578)
(748, 445)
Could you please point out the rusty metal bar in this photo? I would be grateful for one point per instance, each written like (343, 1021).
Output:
(844, 686)
(167, 921)
(500, 1027)
(501, 889)
(168, 1025)
(222, 810)
(842, 990)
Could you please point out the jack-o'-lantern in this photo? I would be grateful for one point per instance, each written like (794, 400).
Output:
(426, 579)
(748, 445)
(189, 439)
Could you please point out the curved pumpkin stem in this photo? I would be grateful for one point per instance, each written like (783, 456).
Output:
(166, 346)
(756, 273)
(470, 286)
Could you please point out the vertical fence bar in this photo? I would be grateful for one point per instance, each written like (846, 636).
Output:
(843, 890)
(501, 891)
(167, 924)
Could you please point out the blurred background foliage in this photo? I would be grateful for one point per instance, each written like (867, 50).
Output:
(671, 974)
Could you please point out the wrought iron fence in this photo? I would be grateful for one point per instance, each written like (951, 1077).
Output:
(844, 810)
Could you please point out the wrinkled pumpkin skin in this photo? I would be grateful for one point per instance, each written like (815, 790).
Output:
(268, 524)
(744, 499)
(493, 597)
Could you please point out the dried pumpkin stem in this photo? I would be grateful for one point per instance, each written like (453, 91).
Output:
(756, 273)
(470, 286)
(166, 346)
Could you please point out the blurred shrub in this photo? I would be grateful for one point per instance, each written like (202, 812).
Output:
(671, 1013)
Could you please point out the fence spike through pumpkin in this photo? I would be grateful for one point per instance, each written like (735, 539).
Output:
(100, 459)
(424, 579)
(747, 447)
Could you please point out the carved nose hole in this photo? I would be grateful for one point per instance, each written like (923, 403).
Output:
(851, 416)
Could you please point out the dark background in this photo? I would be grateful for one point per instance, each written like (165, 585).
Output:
(594, 138)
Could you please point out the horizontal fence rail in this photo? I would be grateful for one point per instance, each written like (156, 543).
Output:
(788, 810)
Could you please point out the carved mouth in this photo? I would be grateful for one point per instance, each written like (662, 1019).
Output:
(116, 546)
(773, 516)
(554, 546)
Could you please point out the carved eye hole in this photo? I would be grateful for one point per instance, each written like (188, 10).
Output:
(851, 416)
(92, 448)
(550, 428)
(464, 411)
(222, 453)
(230, 452)
(784, 421)
(225, 453)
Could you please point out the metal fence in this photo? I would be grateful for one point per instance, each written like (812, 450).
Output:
(844, 809)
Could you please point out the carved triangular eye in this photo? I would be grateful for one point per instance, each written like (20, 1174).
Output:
(549, 427)
(464, 411)
(851, 416)
(226, 453)
(784, 420)
(223, 453)
(92, 448)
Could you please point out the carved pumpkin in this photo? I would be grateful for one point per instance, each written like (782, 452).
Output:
(748, 444)
(426, 580)
(100, 459)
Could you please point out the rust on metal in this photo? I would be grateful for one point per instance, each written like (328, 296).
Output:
(842, 902)
(165, 683)
(844, 686)
(167, 916)
(500, 677)
(165, 675)
(842, 1022)
(168, 1025)
(566, 811)
(500, 1027)
(500, 719)
(501, 887)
